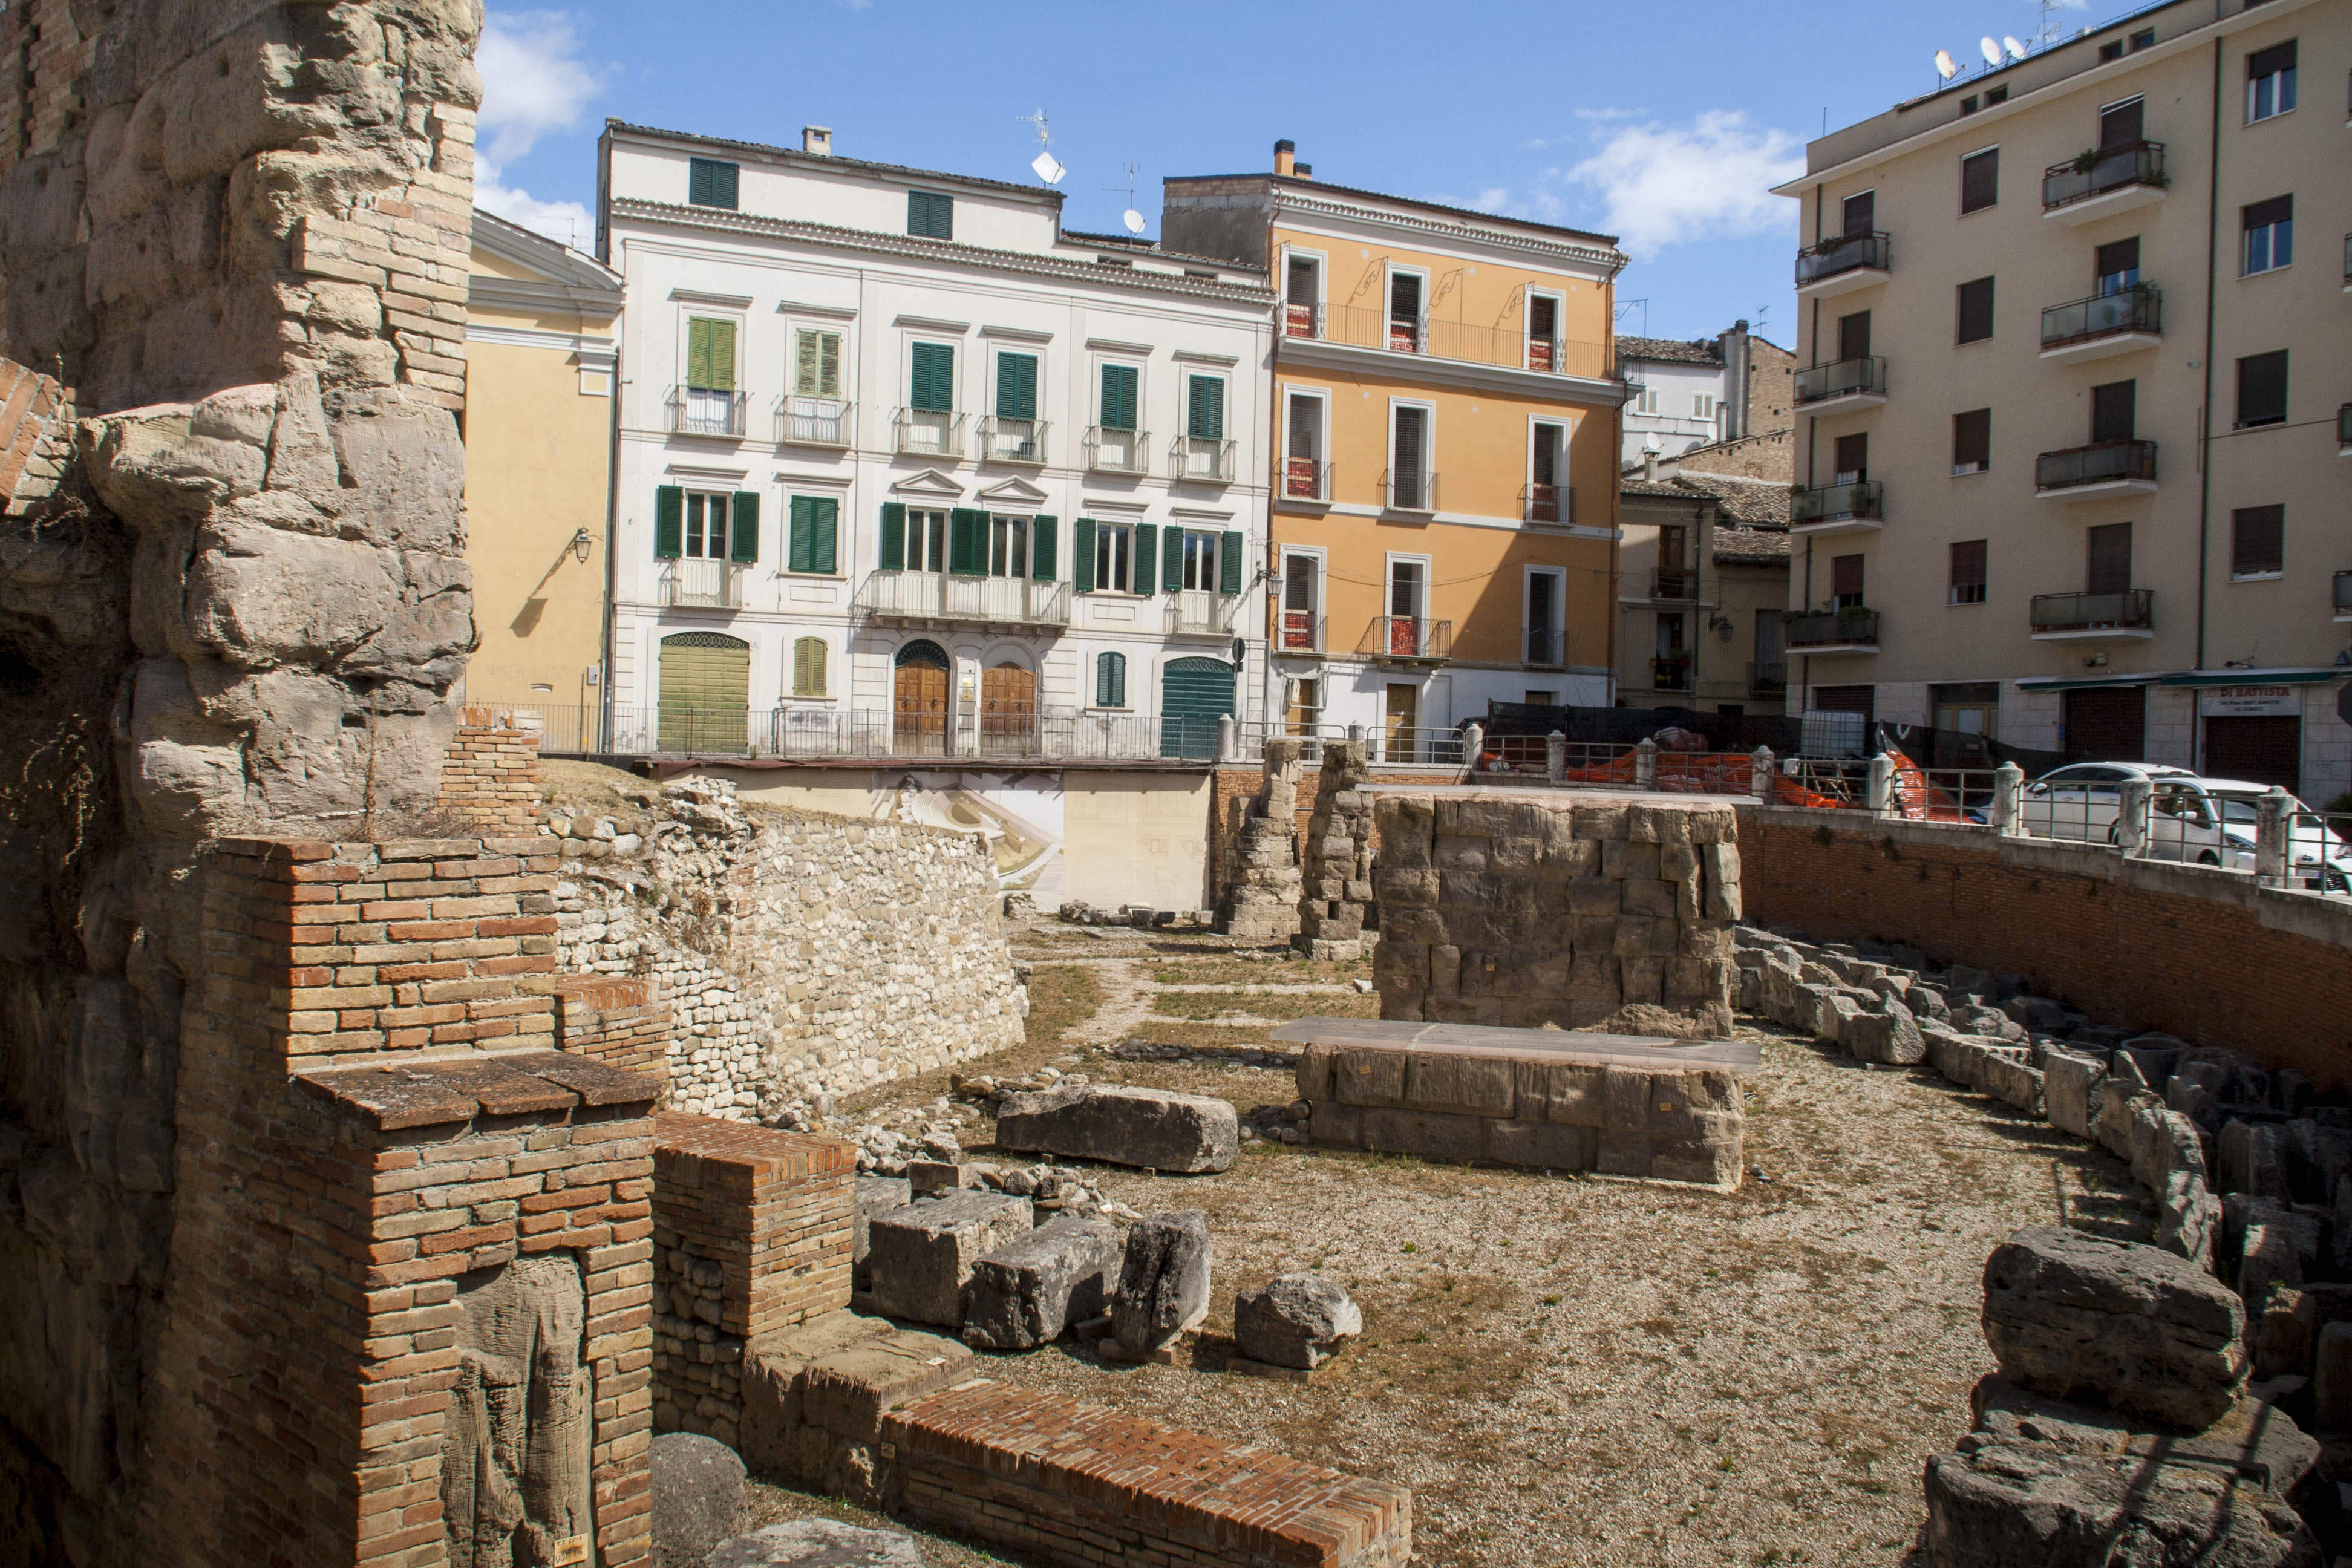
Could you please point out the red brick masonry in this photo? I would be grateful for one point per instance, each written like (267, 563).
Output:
(1077, 1484)
(616, 1022)
(491, 775)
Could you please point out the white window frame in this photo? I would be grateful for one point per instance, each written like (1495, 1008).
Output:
(2253, 81)
(908, 339)
(1388, 582)
(793, 327)
(689, 312)
(1281, 587)
(1322, 399)
(1646, 401)
(1322, 260)
(1429, 444)
(1567, 428)
(1559, 574)
(2246, 245)
(1389, 276)
(692, 493)
(1032, 350)
(1704, 405)
(1115, 525)
(793, 640)
(1216, 538)
(1559, 314)
(1021, 525)
(1143, 368)
(907, 522)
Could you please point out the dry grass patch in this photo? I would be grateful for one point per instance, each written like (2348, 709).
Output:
(1281, 1006)
(1274, 972)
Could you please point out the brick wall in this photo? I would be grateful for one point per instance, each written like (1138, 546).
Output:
(2198, 951)
(752, 1235)
(617, 1022)
(1072, 1483)
(35, 434)
(490, 776)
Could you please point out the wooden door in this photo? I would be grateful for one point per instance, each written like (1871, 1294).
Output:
(1008, 712)
(921, 701)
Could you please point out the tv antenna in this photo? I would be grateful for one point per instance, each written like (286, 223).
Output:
(1132, 218)
(2048, 32)
(1048, 167)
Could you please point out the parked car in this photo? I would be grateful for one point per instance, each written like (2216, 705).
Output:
(2208, 822)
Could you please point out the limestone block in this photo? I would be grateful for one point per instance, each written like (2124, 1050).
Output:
(1998, 1506)
(818, 1544)
(1295, 1320)
(1888, 1034)
(1830, 1015)
(1163, 1282)
(2008, 1079)
(920, 1257)
(2268, 1262)
(2331, 1403)
(875, 1194)
(2190, 1220)
(1543, 1145)
(2253, 1159)
(1459, 1085)
(1028, 1293)
(2070, 1089)
(1123, 1126)
(1565, 1093)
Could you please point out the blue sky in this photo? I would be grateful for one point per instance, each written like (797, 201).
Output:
(1661, 122)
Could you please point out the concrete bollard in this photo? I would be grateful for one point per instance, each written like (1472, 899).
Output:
(1759, 777)
(2134, 800)
(1882, 786)
(1645, 764)
(1556, 757)
(1355, 731)
(2271, 821)
(1228, 738)
(1474, 744)
(2009, 800)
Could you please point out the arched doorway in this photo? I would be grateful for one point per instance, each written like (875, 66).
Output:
(706, 694)
(1194, 693)
(1008, 710)
(919, 700)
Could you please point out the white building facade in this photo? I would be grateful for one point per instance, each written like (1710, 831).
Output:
(904, 469)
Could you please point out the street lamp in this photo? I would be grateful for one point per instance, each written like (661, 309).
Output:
(581, 546)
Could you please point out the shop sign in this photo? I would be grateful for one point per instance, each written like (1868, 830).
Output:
(2250, 702)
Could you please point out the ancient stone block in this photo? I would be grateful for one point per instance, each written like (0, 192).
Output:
(1124, 1126)
(1027, 1293)
(920, 1257)
(2070, 1089)
(1295, 1319)
(1163, 1282)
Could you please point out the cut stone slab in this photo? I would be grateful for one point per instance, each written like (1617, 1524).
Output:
(2070, 1090)
(2113, 1323)
(1295, 1320)
(2254, 1435)
(1151, 1128)
(920, 1257)
(1887, 1034)
(819, 1543)
(876, 1194)
(1163, 1281)
(1029, 1294)
(698, 1486)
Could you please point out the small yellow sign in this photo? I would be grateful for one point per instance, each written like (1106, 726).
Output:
(570, 1551)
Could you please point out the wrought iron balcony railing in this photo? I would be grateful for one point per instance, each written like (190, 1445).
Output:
(1407, 491)
(1205, 457)
(1005, 440)
(702, 411)
(929, 433)
(1410, 638)
(698, 583)
(816, 422)
(951, 597)
(2094, 174)
(1114, 451)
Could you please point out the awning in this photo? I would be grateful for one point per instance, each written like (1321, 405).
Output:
(2305, 675)
(2085, 682)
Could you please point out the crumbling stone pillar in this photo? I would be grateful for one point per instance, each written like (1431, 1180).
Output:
(1338, 871)
(1263, 903)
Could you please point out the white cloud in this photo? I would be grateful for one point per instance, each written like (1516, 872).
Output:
(565, 222)
(533, 79)
(1662, 185)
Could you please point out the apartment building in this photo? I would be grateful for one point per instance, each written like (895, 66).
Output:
(1443, 452)
(1701, 390)
(1702, 578)
(539, 346)
(905, 469)
(2072, 428)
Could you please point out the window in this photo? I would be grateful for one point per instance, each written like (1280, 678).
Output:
(709, 354)
(706, 526)
(1860, 214)
(1853, 336)
(2107, 566)
(1976, 310)
(711, 184)
(1111, 679)
(1965, 707)
(1302, 293)
(914, 539)
(1408, 582)
(1647, 402)
(930, 378)
(2270, 235)
(1852, 459)
(1404, 312)
(931, 214)
(1545, 600)
(2258, 542)
(2114, 411)
(703, 525)
(2114, 51)
(1121, 383)
(1016, 386)
(2143, 39)
(1543, 331)
(812, 543)
(1981, 180)
(1008, 546)
(1845, 580)
(1303, 475)
(1114, 558)
(1205, 407)
(1547, 461)
(1969, 104)
(1702, 406)
(2262, 389)
(1302, 597)
(1972, 441)
(1409, 477)
(2116, 266)
(2121, 124)
(1197, 562)
(1968, 571)
(808, 666)
(1996, 95)
(2270, 81)
(816, 363)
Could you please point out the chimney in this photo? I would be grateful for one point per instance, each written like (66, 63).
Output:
(1650, 466)
(1303, 171)
(816, 140)
(1286, 156)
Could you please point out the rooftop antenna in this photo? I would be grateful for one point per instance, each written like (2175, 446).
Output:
(1945, 67)
(1048, 167)
(2049, 32)
(1132, 218)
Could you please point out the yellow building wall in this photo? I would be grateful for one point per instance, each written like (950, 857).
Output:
(537, 459)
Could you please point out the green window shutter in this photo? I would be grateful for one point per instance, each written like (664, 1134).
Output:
(796, 546)
(722, 357)
(894, 536)
(1147, 547)
(816, 365)
(817, 686)
(669, 522)
(1172, 560)
(697, 351)
(1229, 563)
(931, 214)
(1205, 410)
(825, 537)
(1016, 386)
(744, 531)
(712, 183)
(968, 542)
(1082, 555)
(932, 379)
(1119, 385)
(1042, 555)
(1111, 679)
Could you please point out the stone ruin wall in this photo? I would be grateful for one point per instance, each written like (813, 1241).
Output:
(234, 237)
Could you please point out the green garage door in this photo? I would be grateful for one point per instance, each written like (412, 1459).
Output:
(1194, 693)
(706, 694)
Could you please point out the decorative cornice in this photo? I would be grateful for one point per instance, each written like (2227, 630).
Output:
(486, 291)
(1607, 259)
(699, 297)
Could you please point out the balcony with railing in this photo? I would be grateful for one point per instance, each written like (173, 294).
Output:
(2069, 617)
(1406, 490)
(1547, 649)
(1670, 672)
(1205, 459)
(1548, 503)
(1005, 440)
(1408, 639)
(1299, 634)
(1843, 264)
(816, 422)
(1768, 678)
(1855, 507)
(1306, 479)
(2343, 595)
(703, 411)
(1114, 451)
(927, 433)
(1851, 630)
(695, 583)
(1674, 582)
(1363, 327)
(1845, 383)
(948, 598)
(2123, 323)
(2101, 468)
(2104, 181)
(1201, 613)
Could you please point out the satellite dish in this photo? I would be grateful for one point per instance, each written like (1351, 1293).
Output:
(2016, 50)
(1990, 50)
(1945, 67)
(1652, 444)
(1134, 221)
(1049, 168)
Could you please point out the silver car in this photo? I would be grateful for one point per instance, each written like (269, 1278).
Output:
(2208, 822)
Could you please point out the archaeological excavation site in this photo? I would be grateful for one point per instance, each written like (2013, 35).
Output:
(419, 1150)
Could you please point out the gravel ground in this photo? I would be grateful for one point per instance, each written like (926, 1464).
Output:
(1584, 1370)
